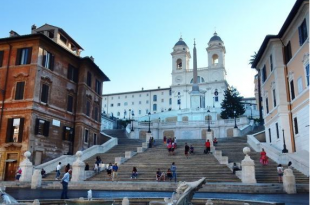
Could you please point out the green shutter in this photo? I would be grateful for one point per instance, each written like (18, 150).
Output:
(21, 129)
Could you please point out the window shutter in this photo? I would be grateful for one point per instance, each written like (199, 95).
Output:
(21, 128)
(18, 57)
(75, 75)
(36, 128)
(300, 35)
(1, 58)
(51, 65)
(71, 135)
(64, 133)
(69, 74)
(304, 28)
(46, 128)
(44, 94)
(29, 55)
(19, 92)
(44, 59)
(9, 131)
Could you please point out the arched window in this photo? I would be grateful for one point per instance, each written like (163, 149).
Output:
(179, 64)
(199, 80)
(215, 59)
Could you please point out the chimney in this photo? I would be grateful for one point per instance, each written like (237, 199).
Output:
(92, 58)
(13, 33)
(33, 27)
(142, 88)
(158, 87)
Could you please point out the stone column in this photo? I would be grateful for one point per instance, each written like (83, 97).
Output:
(78, 168)
(289, 183)
(248, 168)
(36, 179)
(27, 168)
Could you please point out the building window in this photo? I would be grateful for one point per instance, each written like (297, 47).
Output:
(170, 92)
(267, 107)
(72, 73)
(147, 111)
(119, 97)
(274, 98)
(216, 98)
(67, 134)
(19, 92)
(23, 56)
(154, 98)
(170, 101)
(1, 58)
(154, 107)
(118, 104)
(88, 79)
(63, 39)
(44, 93)
(118, 114)
(98, 87)
(264, 74)
(288, 52)
(147, 102)
(162, 100)
(277, 129)
(87, 108)
(125, 103)
(95, 113)
(139, 102)
(125, 96)
(307, 74)
(132, 103)
(296, 125)
(48, 60)
(70, 103)
(42, 127)
(139, 112)
(132, 96)
(147, 94)
(14, 132)
(95, 138)
(269, 131)
(271, 63)
(292, 90)
(302, 31)
(299, 85)
(111, 105)
(179, 64)
(86, 136)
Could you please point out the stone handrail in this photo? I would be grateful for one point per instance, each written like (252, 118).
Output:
(50, 166)
(245, 129)
(253, 142)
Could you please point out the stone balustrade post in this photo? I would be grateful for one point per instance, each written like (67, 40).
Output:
(27, 168)
(210, 138)
(78, 168)
(36, 180)
(248, 168)
(289, 182)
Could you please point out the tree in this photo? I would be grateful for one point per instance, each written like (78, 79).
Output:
(253, 58)
(231, 103)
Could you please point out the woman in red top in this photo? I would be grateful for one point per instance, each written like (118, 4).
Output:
(263, 157)
(169, 146)
(208, 145)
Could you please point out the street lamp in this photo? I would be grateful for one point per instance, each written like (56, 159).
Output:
(132, 120)
(235, 119)
(284, 146)
(125, 113)
(149, 123)
(209, 130)
(129, 113)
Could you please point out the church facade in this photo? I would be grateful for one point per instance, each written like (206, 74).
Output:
(211, 81)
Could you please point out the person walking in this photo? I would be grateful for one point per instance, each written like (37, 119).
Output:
(58, 171)
(208, 145)
(191, 149)
(173, 169)
(68, 166)
(280, 172)
(263, 157)
(18, 174)
(65, 181)
(186, 150)
(134, 173)
(114, 170)
(169, 146)
(289, 165)
(165, 139)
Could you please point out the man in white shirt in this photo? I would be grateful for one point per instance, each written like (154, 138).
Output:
(65, 181)
(58, 171)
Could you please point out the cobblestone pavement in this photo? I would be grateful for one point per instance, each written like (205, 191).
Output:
(31, 194)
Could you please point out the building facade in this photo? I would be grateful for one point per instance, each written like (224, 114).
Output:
(50, 97)
(211, 81)
(283, 63)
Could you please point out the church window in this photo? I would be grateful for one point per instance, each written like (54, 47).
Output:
(154, 107)
(179, 64)
(199, 80)
(154, 98)
(215, 59)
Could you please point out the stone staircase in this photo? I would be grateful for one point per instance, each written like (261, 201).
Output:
(233, 149)
(188, 169)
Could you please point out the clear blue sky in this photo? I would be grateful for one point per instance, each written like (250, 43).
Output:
(131, 41)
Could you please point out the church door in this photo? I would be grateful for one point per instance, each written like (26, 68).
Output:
(10, 170)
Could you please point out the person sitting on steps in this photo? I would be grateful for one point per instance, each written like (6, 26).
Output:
(214, 141)
(160, 176)
(134, 173)
(235, 168)
(169, 174)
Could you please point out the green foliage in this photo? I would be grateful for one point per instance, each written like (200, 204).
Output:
(231, 103)
(253, 58)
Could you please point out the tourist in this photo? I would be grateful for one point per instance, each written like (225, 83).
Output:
(280, 172)
(165, 139)
(174, 171)
(114, 171)
(172, 148)
(263, 157)
(169, 174)
(109, 170)
(96, 168)
(186, 150)
(208, 145)
(160, 176)
(191, 149)
(58, 171)
(67, 167)
(235, 168)
(18, 174)
(289, 165)
(65, 181)
(86, 167)
(169, 146)
(43, 173)
(134, 173)
(175, 143)
(214, 141)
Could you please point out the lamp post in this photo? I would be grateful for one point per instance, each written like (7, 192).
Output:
(284, 146)
(235, 119)
(251, 111)
(213, 100)
(132, 120)
(209, 130)
(149, 123)
(129, 113)
(216, 93)
(179, 100)
(125, 114)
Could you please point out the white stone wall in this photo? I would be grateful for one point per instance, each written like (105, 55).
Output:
(302, 138)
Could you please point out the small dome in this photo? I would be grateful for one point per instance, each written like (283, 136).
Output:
(180, 43)
(215, 38)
